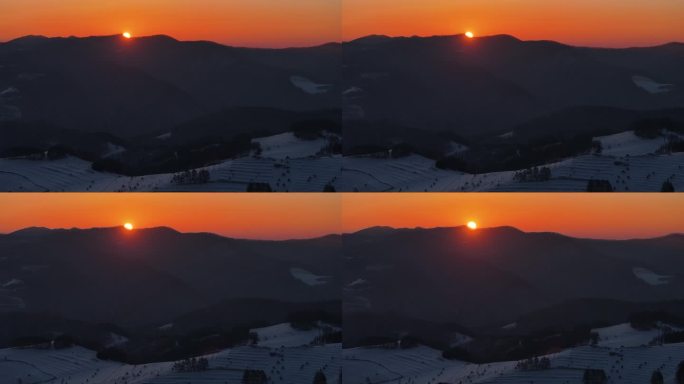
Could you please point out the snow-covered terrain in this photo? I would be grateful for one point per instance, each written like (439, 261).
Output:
(651, 86)
(287, 145)
(643, 173)
(289, 164)
(627, 143)
(423, 365)
(281, 363)
(283, 335)
(623, 335)
(73, 174)
(307, 277)
(308, 86)
(650, 277)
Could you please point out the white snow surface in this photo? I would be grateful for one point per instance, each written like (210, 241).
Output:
(283, 365)
(423, 365)
(12, 283)
(307, 277)
(627, 143)
(284, 335)
(651, 86)
(623, 335)
(309, 86)
(650, 277)
(287, 145)
(74, 174)
(414, 173)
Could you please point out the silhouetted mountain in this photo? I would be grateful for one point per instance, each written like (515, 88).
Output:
(150, 84)
(152, 275)
(484, 87)
(492, 276)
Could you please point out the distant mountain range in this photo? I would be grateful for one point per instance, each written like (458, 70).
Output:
(151, 84)
(425, 91)
(151, 276)
(488, 278)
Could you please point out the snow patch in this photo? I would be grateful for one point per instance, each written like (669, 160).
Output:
(164, 136)
(280, 335)
(165, 327)
(651, 86)
(356, 282)
(308, 278)
(628, 143)
(623, 335)
(309, 86)
(287, 145)
(510, 326)
(13, 283)
(113, 149)
(650, 277)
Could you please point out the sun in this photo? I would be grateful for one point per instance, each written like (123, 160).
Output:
(469, 34)
(126, 35)
(128, 226)
(472, 225)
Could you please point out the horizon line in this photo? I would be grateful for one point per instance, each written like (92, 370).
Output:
(351, 232)
(343, 41)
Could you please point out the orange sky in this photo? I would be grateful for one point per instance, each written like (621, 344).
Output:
(256, 23)
(611, 215)
(240, 215)
(614, 23)
(301, 215)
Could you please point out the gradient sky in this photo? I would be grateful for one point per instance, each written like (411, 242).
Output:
(254, 23)
(614, 23)
(302, 215)
(611, 215)
(239, 215)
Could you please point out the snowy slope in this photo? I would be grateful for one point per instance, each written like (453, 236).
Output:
(80, 366)
(73, 174)
(287, 145)
(423, 365)
(643, 173)
(280, 335)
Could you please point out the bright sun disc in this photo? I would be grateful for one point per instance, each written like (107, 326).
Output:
(128, 226)
(472, 225)
(126, 35)
(469, 34)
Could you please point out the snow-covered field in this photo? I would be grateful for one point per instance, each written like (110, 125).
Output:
(281, 363)
(283, 335)
(628, 162)
(308, 278)
(622, 364)
(289, 164)
(73, 174)
(627, 143)
(287, 145)
(650, 85)
(650, 277)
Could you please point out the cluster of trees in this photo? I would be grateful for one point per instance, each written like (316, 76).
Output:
(191, 177)
(453, 163)
(254, 376)
(191, 365)
(533, 364)
(679, 376)
(657, 377)
(320, 378)
(599, 186)
(327, 336)
(653, 127)
(259, 187)
(594, 376)
(533, 174)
